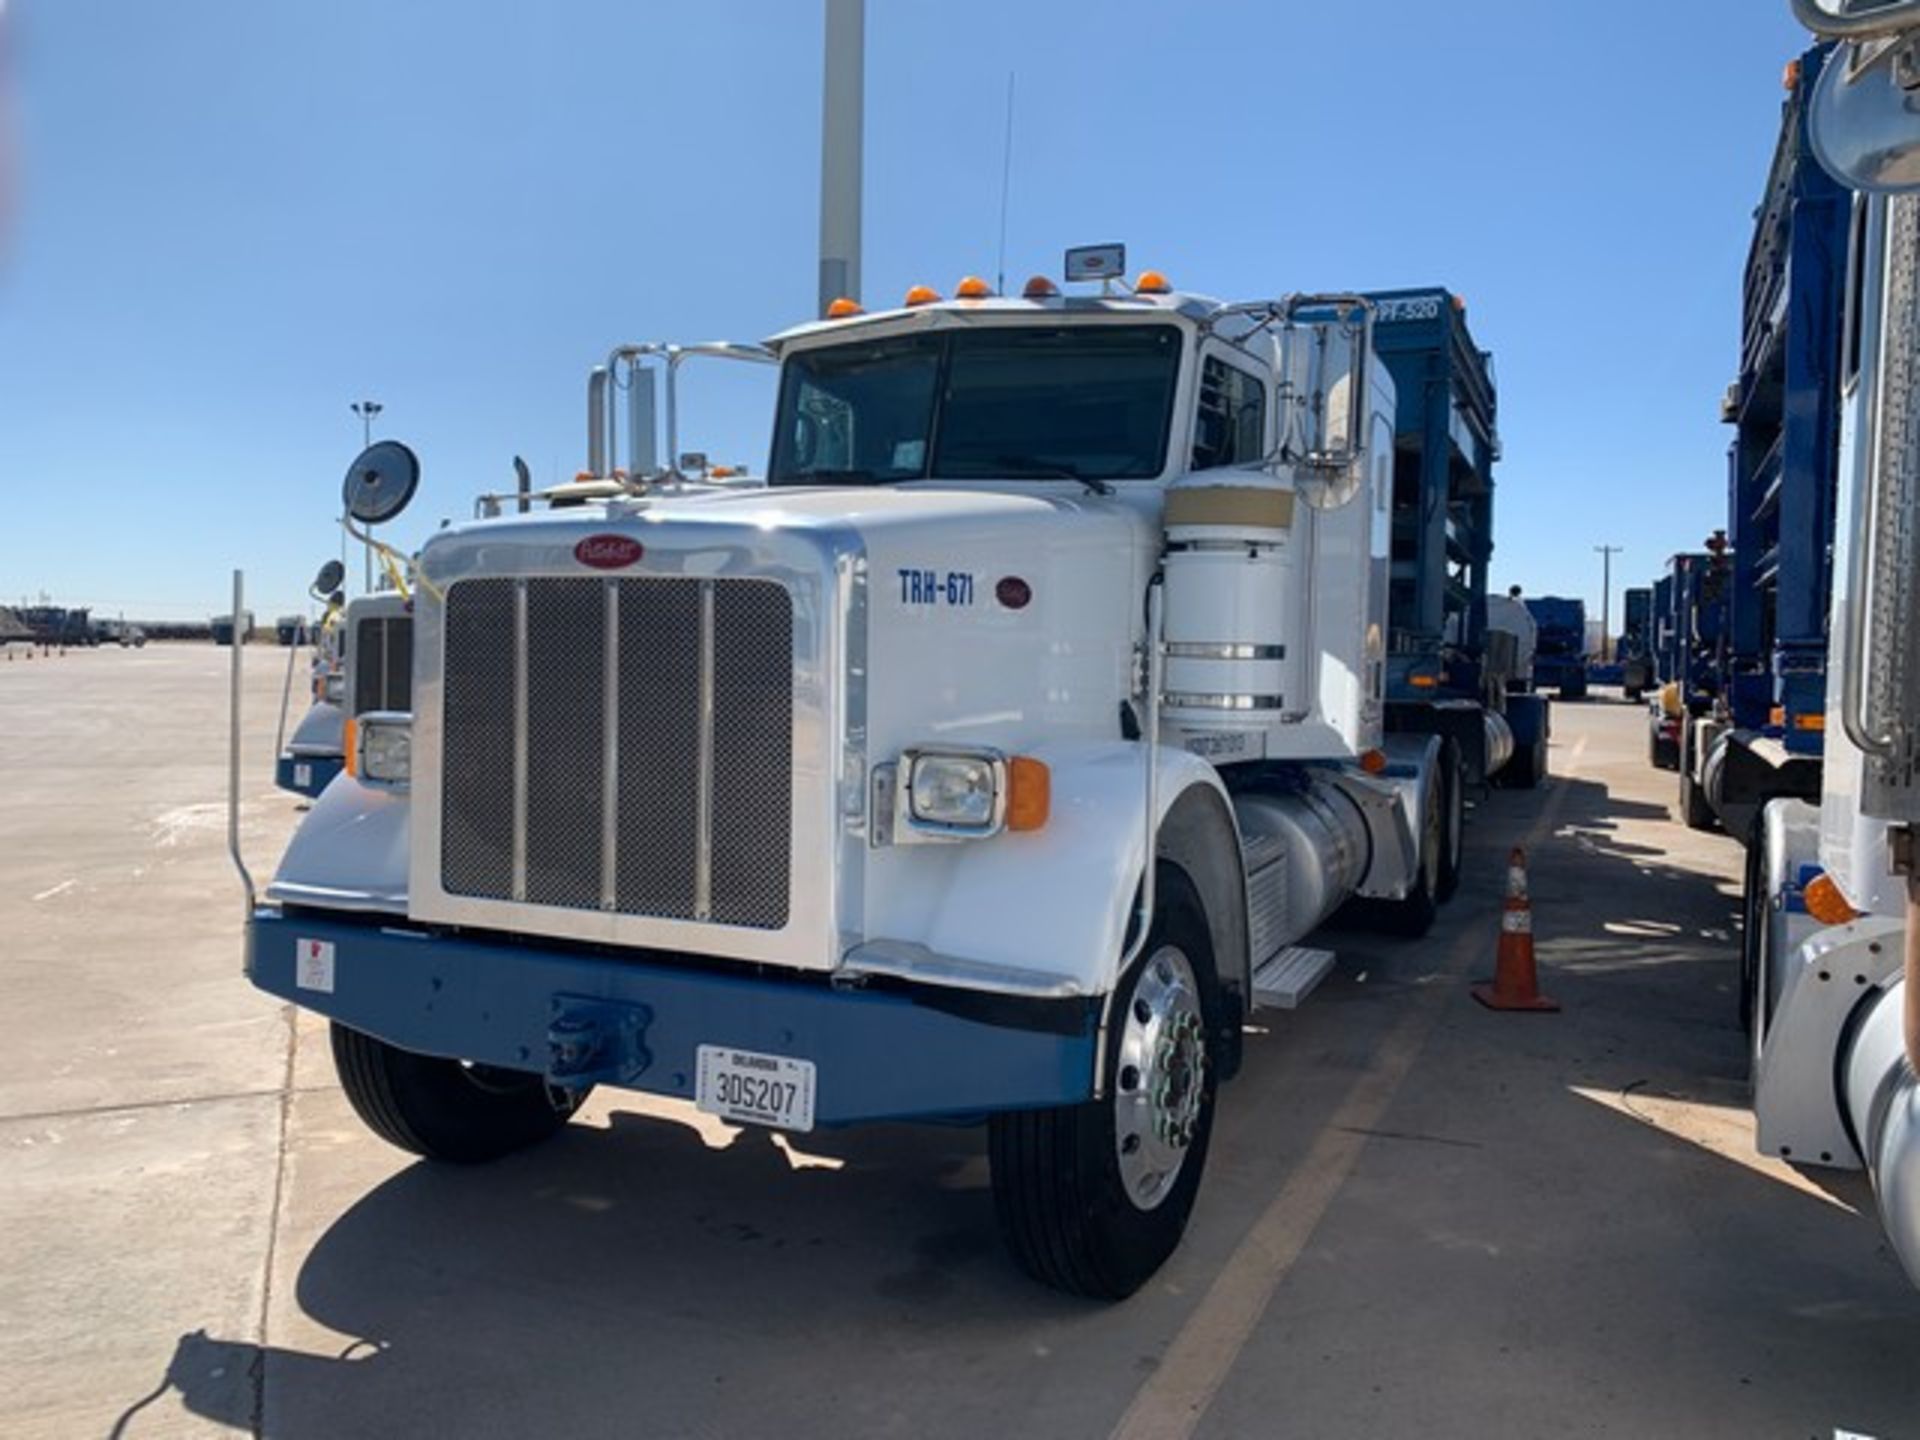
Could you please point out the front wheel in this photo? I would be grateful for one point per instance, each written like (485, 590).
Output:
(1414, 915)
(1093, 1198)
(1695, 812)
(1453, 801)
(445, 1109)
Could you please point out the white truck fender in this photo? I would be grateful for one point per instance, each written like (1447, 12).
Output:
(1047, 912)
(350, 852)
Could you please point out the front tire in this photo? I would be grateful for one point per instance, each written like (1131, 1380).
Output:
(445, 1109)
(1695, 813)
(1093, 1198)
(1455, 806)
(1414, 915)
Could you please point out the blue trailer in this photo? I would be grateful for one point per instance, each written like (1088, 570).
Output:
(1633, 650)
(1560, 651)
(1763, 736)
(1448, 671)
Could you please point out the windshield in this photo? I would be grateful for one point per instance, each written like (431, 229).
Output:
(1076, 402)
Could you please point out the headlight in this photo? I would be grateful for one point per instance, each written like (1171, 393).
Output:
(333, 687)
(380, 747)
(958, 791)
(946, 794)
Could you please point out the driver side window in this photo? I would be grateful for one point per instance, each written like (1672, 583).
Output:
(1230, 421)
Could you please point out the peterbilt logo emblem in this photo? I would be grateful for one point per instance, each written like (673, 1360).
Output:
(608, 552)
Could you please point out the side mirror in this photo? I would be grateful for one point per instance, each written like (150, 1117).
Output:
(1326, 350)
(1864, 113)
(331, 576)
(380, 482)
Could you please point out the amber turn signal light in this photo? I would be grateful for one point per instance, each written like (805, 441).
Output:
(1029, 793)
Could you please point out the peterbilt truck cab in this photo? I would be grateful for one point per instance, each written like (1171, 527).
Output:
(988, 764)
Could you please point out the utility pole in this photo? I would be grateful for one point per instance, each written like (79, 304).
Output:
(366, 410)
(842, 126)
(1606, 553)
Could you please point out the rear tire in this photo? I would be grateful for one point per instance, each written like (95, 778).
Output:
(1528, 767)
(1093, 1198)
(445, 1109)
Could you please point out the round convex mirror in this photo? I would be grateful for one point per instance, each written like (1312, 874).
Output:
(381, 481)
(331, 576)
(1864, 121)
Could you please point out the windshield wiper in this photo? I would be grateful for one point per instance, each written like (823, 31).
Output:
(1018, 468)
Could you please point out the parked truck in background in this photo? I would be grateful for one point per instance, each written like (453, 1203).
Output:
(1761, 734)
(1447, 669)
(1831, 949)
(1689, 632)
(1633, 650)
(989, 764)
(1560, 647)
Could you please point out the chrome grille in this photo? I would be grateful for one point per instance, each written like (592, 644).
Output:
(622, 745)
(383, 663)
(752, 793)
(476, 808)
(566, 750)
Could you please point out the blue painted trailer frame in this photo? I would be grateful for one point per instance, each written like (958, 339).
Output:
(1446, 441)
(1783, 461)
(636, 1021)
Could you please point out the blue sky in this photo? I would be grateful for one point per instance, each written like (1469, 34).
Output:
(231, 219)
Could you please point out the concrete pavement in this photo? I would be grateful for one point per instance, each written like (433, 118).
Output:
(1419, 1217)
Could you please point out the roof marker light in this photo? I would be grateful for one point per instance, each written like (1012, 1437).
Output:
(972, 287)
(843, 307)
(1151, 282)
(922, 295)
(1040, 288)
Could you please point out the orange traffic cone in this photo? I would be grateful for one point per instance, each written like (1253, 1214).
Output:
(1516, 984)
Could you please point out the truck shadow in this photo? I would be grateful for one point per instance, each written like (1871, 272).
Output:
(700, 1282)
(628, 1262)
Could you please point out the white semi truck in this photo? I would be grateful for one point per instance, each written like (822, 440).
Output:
(1833, 959)
(988, 763)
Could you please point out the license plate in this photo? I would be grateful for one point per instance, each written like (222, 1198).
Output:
(774, 1090)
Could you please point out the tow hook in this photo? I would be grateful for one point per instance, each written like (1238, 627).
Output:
(596, 1042)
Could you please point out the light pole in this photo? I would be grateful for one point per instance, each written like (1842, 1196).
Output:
(366, 410)
(1606, 552)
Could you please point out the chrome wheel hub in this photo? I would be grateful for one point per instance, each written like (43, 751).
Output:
(1160, 1082)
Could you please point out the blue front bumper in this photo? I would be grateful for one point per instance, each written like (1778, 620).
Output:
(581, 1017)
(306, 774)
